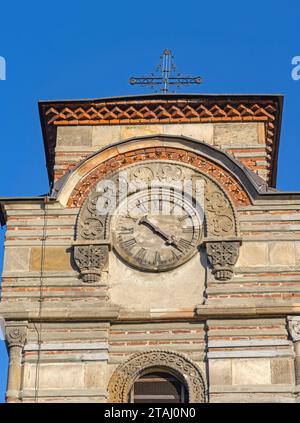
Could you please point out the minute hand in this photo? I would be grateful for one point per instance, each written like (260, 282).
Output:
(171, 239)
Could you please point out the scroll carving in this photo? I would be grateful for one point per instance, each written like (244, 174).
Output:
(91, 225)
(220, 219)
(91, 250)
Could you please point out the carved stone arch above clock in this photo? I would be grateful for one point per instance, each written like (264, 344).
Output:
(219, 232)
(240, 184)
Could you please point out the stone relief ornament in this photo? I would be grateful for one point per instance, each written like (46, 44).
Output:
(91, 259)
(94, 228)
(91, 249)
(91, 228)
(15, 336)
(222, 256)
(219, 213)
(149, 157)
(91, 225)
(294, 327)
(164, 172)
(127, 373)
(143, 173)
(170, 173)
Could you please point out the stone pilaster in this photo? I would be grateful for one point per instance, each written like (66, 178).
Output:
(15, 337)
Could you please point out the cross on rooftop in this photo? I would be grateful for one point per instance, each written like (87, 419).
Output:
(167, 69)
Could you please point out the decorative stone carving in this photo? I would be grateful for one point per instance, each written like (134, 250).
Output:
(16, 336)
(165, 172)
(222, 256)
(91, 225)
(91, 255)
(91, 260)
(126, 374)
(143, 173)
(219, 214)
(220, 222)
(178, 157)
(294, 328)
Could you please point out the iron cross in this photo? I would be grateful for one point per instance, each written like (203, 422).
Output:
(167, 68)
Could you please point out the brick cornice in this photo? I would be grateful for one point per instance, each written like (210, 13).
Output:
(154, 111)
(165, 109)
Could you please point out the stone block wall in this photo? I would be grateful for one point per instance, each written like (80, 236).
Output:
(244, 141)
(67, 337)
(244, 359)
(250, 360)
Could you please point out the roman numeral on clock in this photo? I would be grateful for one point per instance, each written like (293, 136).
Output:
(185, 216)
(128, 243)
(126, 231)
(175, 256)
(157, 259)
(188, 230)
(184, 244)
(140, 255)
(141, 207)
(135, 219)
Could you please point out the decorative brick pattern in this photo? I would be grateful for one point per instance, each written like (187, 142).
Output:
(230, 185)
(233, 109)
(174, 111)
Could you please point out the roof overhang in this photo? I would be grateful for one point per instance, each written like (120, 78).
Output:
(12, 200)
(164, 108)
(2, 215)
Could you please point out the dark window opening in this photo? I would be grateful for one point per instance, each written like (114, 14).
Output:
(158, 387)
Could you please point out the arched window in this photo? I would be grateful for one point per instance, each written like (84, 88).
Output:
(157, 387)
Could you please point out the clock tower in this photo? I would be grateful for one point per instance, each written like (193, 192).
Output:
(163, 265)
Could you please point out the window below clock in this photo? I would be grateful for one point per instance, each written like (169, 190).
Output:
(158, 387)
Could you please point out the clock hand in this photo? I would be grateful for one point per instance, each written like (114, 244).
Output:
(171, 239)
(145, 219)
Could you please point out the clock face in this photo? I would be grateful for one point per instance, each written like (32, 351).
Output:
(156, 230)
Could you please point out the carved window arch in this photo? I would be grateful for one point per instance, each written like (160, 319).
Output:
(183, 368)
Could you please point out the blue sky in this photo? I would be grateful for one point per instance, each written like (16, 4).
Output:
(79, 49)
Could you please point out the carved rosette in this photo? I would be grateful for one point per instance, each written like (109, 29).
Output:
(222, 256)
(15, 336)
(127, 373)
(91, 259)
